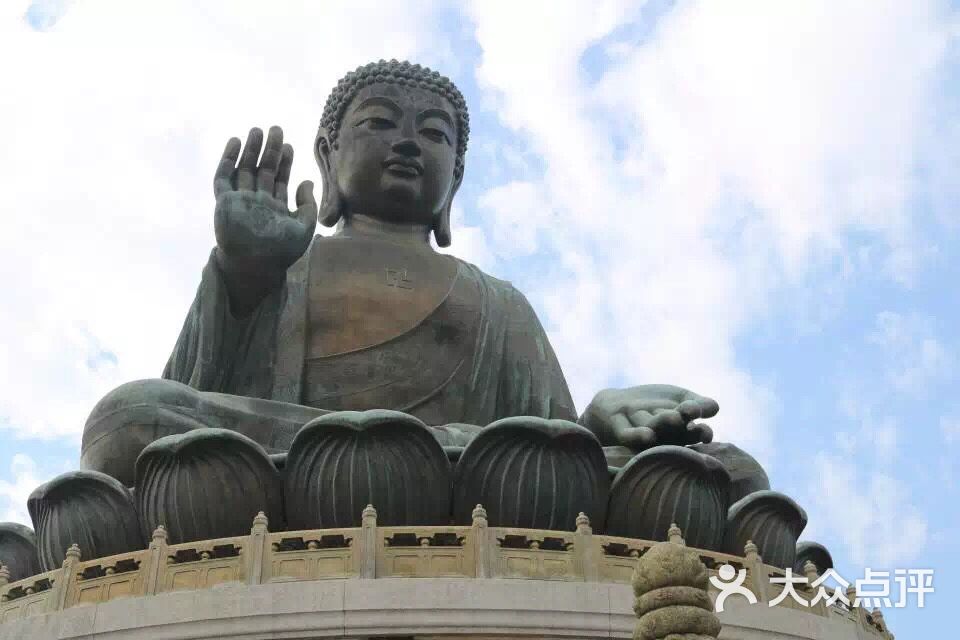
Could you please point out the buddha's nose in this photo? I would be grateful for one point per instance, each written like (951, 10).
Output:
(407, 147)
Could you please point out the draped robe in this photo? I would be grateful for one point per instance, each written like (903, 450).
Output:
(498, 362)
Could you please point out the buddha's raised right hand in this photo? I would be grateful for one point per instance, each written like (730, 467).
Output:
(258, 238)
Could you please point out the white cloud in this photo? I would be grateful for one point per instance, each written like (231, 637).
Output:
(914, 357)
(520, 214)
(860, 497)
(875, 435)
(950, 428)
(857, 500)
(713, 163)
(13, 494)
(469, 243)
(871, 511)
(116, 118)
(18, 480)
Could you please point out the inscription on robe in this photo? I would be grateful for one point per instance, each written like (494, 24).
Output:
(398, 279)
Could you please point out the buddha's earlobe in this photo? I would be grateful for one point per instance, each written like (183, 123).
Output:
(441, 224)
(331, 204)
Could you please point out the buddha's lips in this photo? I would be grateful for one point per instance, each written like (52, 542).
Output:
(404, 166)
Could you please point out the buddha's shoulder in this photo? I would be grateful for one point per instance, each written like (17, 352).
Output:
(341, 243)
(476, 272)
(330, 249)
(503, 288)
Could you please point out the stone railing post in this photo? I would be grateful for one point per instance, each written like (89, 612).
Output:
(482, 549)
(670, 584)
(258, 551)
(811, 572)
(859, 612)
(759, 578)
(368, 543)
(156, 561)
(877, 615)
(57, 600)
(586, 553)
(4, 581)
(675, 535)
(852, 597)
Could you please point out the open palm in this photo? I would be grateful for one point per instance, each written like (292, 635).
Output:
(254, 228)
(648, 415)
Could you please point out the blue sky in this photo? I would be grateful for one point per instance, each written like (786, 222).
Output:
(757, 201)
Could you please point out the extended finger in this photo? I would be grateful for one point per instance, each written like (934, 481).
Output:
(306, 205)
(699, 432)
(283, 174)
(637, 439)
(270, 162)
(695, 406)
(639, 418)
(667, 420)
(622, 428)
(648, 404)
(228, 162)
(248, 161)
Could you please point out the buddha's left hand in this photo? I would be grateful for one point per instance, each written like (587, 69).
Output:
(648, 415)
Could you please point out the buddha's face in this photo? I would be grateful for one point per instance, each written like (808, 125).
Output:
(396, 153)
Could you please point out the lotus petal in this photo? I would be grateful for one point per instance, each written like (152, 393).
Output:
(814, 552)
(666, 485)
(772, 521)
(207, 483)
(746, 474)
(533, 473)
(343, 461)
(86, 508)
(18, 551)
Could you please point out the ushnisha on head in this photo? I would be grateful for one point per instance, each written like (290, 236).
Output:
(391, 146)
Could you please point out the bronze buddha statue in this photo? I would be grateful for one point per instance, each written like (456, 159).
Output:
(287, 325)
(315, 375)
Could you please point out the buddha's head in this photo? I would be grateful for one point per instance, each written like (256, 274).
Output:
(391, 145)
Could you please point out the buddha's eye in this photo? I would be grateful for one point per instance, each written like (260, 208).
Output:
(435, 134)
(376, 123)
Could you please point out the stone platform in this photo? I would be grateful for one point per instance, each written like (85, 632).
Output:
(370, 581)
(399, 607)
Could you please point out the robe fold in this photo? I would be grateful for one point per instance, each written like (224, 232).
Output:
(481, 355)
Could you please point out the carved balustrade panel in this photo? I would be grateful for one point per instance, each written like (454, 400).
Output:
(413, 551)
(108, 578)
(425, 552)
(618, 557)
(536, 554)
(315, 555)
(200, 565)
(27, 597)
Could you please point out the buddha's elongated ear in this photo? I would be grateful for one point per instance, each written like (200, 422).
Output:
(441, 224)
(331, 205)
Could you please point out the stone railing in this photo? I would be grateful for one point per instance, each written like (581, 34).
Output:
(372, 551)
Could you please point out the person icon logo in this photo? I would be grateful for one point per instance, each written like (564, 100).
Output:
(730, 582)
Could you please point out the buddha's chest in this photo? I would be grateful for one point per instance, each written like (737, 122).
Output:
(364, 293)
